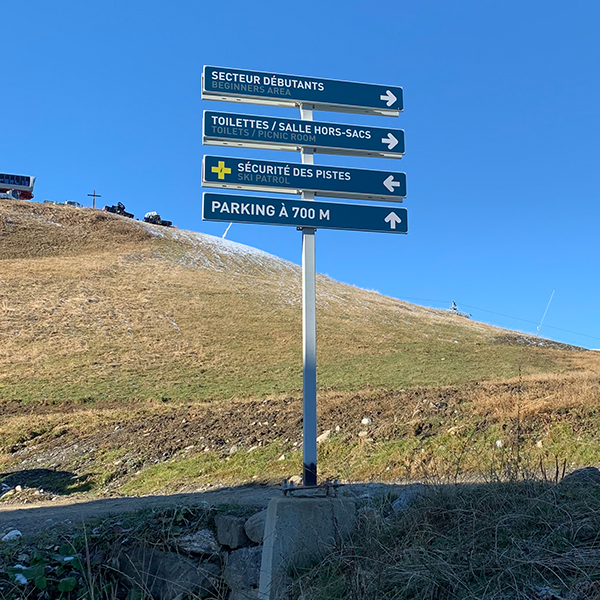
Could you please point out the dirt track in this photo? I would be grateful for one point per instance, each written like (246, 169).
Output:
(32, 519)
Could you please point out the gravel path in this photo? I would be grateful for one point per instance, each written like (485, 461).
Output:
(34, 518)
(31, 519)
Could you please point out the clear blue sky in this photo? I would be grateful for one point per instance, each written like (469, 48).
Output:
(502, 122)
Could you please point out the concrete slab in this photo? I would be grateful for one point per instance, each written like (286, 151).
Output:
(298, 532)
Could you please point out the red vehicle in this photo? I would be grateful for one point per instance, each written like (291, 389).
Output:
(17, 187)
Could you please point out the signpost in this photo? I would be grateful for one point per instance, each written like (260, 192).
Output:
(294, 178)
(299, 213)
(273, 133)
(258, 87)
(308, 179)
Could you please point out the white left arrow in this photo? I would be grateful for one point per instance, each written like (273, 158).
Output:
(388, 98)
(390, 184)
(393, 219)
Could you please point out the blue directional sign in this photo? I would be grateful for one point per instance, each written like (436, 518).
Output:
(271, 133)
(256, 87)
(302, 213)
(294, 178)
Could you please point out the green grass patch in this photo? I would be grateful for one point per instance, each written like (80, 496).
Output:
(260, 464)
(412, 365)
(494, 453)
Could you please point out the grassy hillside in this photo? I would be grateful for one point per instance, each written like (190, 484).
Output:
(110, 323)
(95, 306)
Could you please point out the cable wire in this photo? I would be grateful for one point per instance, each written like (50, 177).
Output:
(492, 312)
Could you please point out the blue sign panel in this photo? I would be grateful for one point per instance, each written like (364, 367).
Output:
(272, 133)
(302, 213)
(294, 178)
(255, 87)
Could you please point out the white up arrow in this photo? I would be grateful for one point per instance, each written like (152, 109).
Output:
(390, 184)
(389, 97)
(392, 219)
(390, 140)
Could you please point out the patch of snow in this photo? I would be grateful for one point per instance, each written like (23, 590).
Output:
(218, 253)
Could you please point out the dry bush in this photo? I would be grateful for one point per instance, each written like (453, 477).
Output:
(501, 542)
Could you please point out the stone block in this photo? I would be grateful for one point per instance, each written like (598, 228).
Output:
(242, 568)
(202, 543)
(230, 531)
(164, 575)
(255, 527)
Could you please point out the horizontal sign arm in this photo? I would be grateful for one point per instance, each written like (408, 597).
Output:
(300, 213)
(295, 178)
(259, 87)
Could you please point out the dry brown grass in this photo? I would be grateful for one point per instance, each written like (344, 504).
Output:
(104, 310)
(184, 318)
(525, 541)
(31, 230)
(536, 398)
(101, 306)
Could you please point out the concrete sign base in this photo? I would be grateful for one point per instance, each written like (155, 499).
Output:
(298, 532)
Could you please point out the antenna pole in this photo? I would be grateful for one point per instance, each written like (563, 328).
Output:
(547, 307)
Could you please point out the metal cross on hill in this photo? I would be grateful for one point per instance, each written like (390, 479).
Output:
(94, 196)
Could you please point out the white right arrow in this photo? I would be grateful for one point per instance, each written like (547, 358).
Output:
(388, 98)
(390, 140)
(392, 219)
(390, 184)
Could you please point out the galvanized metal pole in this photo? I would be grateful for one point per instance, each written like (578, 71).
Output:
(309, 334)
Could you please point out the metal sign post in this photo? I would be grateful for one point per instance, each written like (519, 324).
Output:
(309, 333)
(309, 137)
